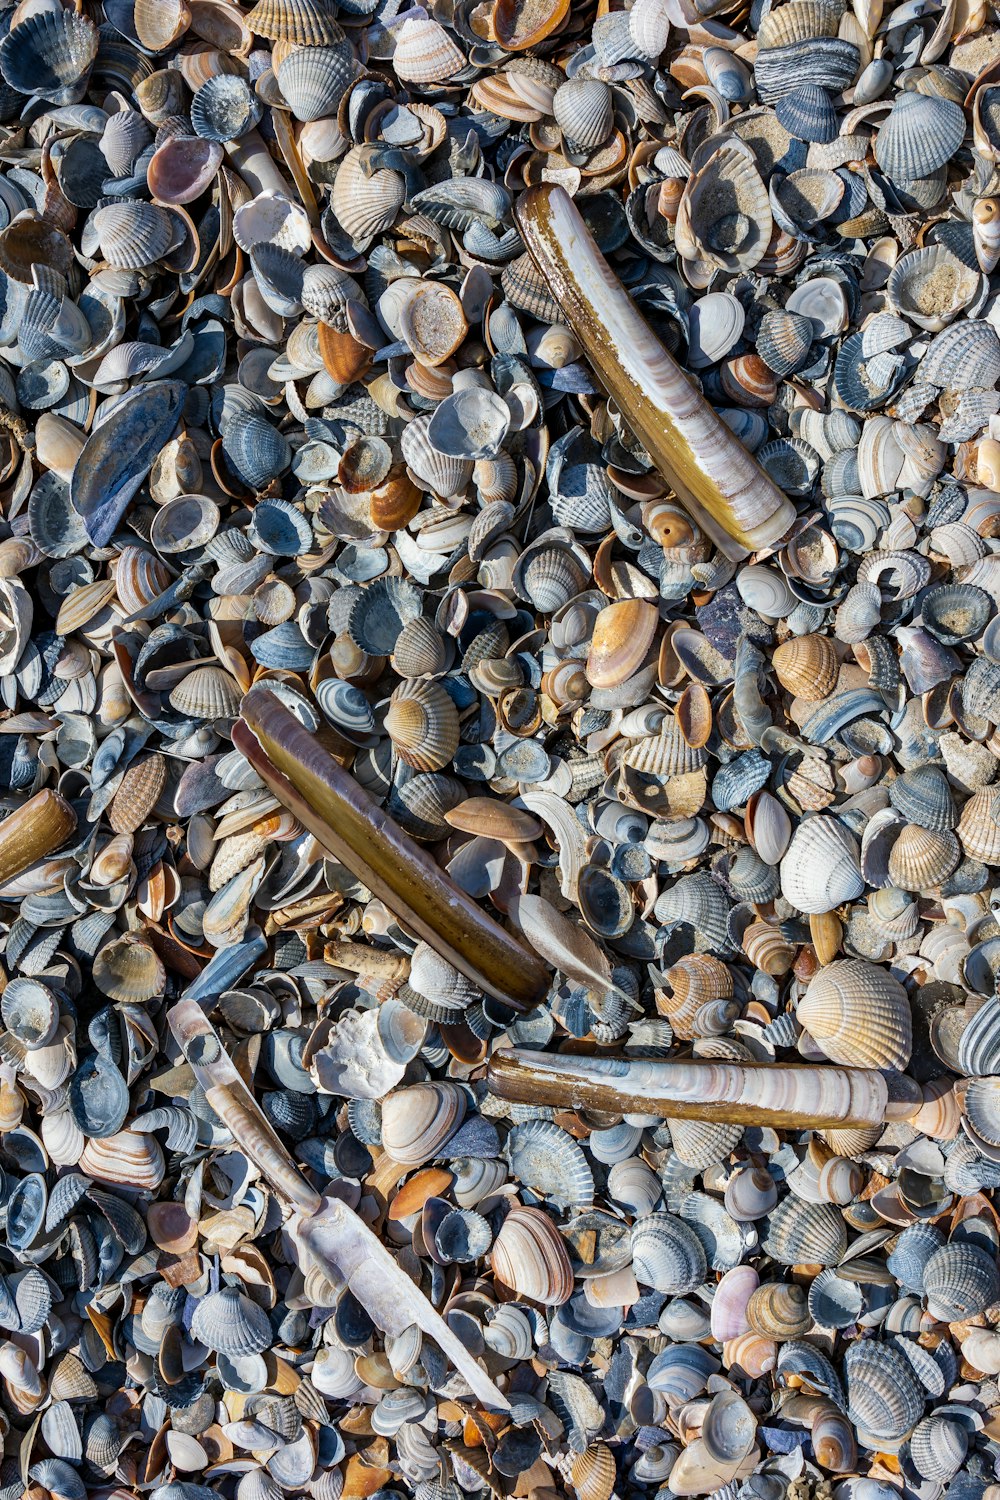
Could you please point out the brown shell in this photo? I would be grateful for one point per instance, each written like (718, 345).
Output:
(807, 665)
(623, 634)
(520, 24)
(138, 794)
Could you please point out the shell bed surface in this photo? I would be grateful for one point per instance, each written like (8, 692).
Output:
(285, 400)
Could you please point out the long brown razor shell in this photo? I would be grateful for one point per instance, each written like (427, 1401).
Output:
(792, 1098)
(33, 831)
(336, 811)
(323, 1230)
(712, 474)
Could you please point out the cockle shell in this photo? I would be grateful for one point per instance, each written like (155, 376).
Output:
(821, 868)
(858, 1014)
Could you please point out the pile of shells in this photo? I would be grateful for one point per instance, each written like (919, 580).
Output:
(285, 398)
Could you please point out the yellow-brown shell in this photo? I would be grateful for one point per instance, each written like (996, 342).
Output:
(807, 666)
(422, 722)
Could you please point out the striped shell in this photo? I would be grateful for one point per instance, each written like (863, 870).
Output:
(422, 722)
(858, 1014)
(529, 1255)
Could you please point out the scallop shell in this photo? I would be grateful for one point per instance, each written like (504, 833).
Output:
(858, 1014)
(529, 1255)
(978, 829)
(314, 80)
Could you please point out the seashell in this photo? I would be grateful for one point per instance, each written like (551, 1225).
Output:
(960, 1281)
(924, 797)
(544, 1158)
(133, 234)
(224, 108)
(922, 133)
(635, 1186)
(784, 340)
(938, 1446)
(49, 55)
(127, 969)
(529, 1255)
(884, 1399)
(716, 322)
(930, 286)
(422, 723)
(30, 1012)
(593, 1473)
(812, 1233)
(309, 23)
(986, 233)
(738, 238)
(779, 1310)
(821, 868)
(807, 114)
(433, 323)
(921, 858)
(444, 475)
(124, 1157)
(424, 52)
(229, 1323)
(807, 666)
(623, 634)
(858, 1014)
(667, 1254)
(313, 81)
(584, 112)
(207, 693)
(365, 204)
(417, 1121)
(978, 830)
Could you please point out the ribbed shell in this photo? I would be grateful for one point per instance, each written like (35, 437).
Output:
(938, 1446)
(859, 1014)
(695, 980)
(978, 828)
(667, 1254)
(230, 1323)
(584, 111)
(807, 666)
(701, 1143)
(50, 54)
(364, 206)
(784, 340)
(421, 650)
(545, 1158)
(921, 859)
(911, 1254)
(315, 79)
(138, 794)
(805, 1233)
(923, 796)
(311, 23)
(133, 234)
(447, 477)
(207, 693)
(808, 114)
(425, 52)
(821, 868)
(923, 132)
(422, 722)
(884, 1398)
(960, 1281)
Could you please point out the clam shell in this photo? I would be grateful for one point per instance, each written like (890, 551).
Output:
(667, 1254)
(922, 133)
(529, 1255)
(546, 1159)
(424, 52)
(884, 1398)
(228, 1322)
(313, 81)
(126, 1157)
(812, 1233)
(50, 54)
(417, 1121)
(309, 23)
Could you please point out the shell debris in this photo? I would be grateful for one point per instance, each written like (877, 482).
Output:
(580, 423)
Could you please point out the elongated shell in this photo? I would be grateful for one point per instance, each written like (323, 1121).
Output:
(715, 478)
(859, 1014)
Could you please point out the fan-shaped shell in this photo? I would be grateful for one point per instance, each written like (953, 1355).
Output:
(228, 1322)
(309, 23)
(725, 212)
(883, 1395)
(812, 1233)
(822, 867)
(960, 1282)
(859, 1014)
(50, 54)
(422, 722)
(546, 1159)
(365, 204)
(667, 1254)
(315, 79)
(128, 969)
(922, 133)
(424, 52)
